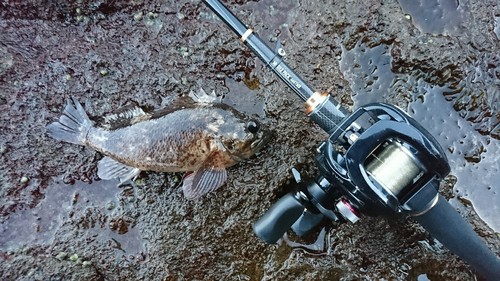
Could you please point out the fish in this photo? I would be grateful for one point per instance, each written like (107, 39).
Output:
(202, 137)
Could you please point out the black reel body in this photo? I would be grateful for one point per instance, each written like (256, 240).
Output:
(378, 162)
(382, 161)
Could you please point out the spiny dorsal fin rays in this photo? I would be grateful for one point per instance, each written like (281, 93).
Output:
(203, 97)
(192, 100)
(128, 114)
(125, 117)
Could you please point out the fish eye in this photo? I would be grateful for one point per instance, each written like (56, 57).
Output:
(229, 145)
(253, 127)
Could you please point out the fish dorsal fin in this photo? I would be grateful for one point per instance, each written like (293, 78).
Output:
(203, 181)
(108, 169)
(125, 116)
(179, 104)
(191, 100)
(202, 97)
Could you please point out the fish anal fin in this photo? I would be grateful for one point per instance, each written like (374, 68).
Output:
(107, 169)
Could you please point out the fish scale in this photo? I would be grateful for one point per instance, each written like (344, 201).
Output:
(161, 144)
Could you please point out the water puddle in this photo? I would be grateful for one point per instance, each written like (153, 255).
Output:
(37, 225)
(478, 97)
(472, 150)
(244, 99)
(473, 157)
(94, 208)
(436, 16)
(368, 71)
(319, 247)
(423, 277)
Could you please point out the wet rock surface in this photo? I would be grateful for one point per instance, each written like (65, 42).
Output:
(59, 222)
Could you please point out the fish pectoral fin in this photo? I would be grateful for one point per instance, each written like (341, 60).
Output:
(203, 181)
(108, 168)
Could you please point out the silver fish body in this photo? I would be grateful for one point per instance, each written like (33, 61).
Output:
(205, 139)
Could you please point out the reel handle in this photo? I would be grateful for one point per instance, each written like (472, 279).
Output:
(279, 218)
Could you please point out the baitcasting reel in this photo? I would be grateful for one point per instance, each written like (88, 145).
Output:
(378, 161)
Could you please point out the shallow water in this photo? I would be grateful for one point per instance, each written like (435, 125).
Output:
(436, 16)
(91, 207)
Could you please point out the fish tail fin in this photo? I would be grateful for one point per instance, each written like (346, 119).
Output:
(73, 125)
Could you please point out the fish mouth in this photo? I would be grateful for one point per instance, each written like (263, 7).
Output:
(265, 137)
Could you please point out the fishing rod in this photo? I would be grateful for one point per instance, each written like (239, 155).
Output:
(377, 161)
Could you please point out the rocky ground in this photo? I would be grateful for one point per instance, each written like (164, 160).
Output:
(438, 61)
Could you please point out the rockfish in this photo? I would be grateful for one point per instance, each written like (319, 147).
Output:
(203, 138)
